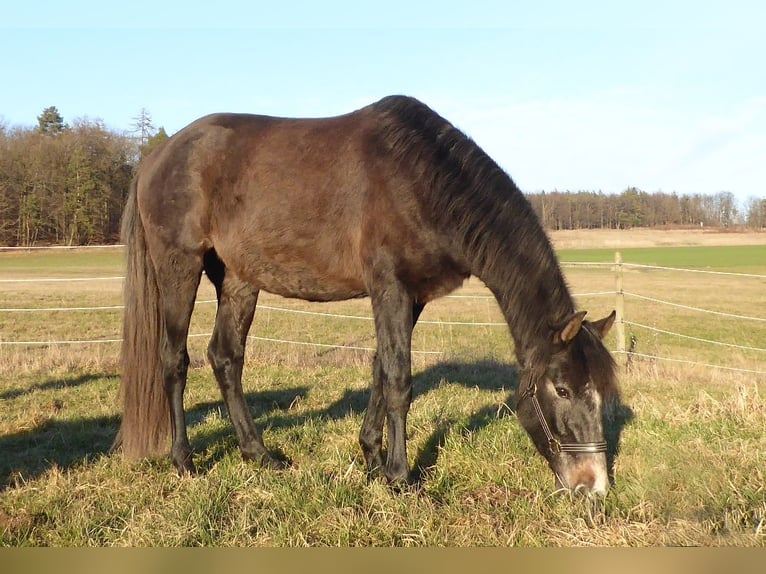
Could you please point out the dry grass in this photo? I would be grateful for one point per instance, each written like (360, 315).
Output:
(620, 238)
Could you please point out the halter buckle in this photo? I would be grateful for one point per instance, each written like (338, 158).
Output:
(530, 391)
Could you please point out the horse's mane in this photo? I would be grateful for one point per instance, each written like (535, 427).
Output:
(469, 197)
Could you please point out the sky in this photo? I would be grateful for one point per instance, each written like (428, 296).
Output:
(588, 95)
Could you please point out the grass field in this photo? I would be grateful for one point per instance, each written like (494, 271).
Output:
(690, 469)
(739, 259)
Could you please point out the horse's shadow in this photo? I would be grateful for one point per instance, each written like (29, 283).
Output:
(49, 441)
(484, 375)
(50, 384)
(487, 375)
(52, 443)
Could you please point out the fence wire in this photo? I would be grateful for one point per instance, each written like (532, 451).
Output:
(272, 308)
(690, 362)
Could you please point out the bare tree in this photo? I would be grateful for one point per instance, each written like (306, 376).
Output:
(143, 129)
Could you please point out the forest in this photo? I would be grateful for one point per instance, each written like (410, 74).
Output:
(64, 184)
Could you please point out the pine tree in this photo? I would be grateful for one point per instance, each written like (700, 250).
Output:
(50, 122)
(154, 141)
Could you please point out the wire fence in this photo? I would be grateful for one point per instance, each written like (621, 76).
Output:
(741, 319)
(619, 294)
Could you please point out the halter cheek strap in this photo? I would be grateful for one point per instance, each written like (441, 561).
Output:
(555, 445)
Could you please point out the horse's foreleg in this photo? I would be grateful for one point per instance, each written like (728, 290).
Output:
(371, 435)
(226, 353)
(394, 318)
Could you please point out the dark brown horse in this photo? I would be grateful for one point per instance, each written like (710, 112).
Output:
(391, 202)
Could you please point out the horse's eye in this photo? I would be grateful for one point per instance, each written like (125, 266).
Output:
(562, 392)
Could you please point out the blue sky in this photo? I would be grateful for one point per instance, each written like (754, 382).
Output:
(588, 95)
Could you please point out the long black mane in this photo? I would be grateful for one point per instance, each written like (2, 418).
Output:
(468, 196)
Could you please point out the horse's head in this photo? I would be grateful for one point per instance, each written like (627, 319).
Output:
(560, 402)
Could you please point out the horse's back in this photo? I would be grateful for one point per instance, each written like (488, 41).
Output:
(298, 207)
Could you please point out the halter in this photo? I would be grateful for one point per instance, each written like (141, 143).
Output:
(554, 444)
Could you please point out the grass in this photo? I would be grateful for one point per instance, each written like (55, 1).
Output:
(719, 257)
(688, 473)
(690, 469)
(55, 263)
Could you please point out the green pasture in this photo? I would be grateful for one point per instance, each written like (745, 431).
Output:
(688, 445)
(741, 258)
(108, 261)
(61, 262)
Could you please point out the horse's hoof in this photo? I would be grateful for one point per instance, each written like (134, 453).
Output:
(403, 486)
(373, 474)
(265, 460)
(399, 481)
(185, 467)
(271, 463)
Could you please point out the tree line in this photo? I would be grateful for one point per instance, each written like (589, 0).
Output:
(66, 184)
(636, 208)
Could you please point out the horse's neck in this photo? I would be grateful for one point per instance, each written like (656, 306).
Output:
(530, 290)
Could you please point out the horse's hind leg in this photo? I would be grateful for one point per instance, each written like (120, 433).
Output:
(178, 288)
(226, 352)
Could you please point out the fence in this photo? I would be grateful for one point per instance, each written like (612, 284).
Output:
(619, 293)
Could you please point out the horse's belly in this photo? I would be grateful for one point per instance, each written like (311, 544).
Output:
(300, 282)
(313, 291)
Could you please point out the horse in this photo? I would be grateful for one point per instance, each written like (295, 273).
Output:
(390, 202)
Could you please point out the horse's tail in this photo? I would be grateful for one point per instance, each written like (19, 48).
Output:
(145, 428)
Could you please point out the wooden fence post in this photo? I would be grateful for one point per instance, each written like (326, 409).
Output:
(620, 304)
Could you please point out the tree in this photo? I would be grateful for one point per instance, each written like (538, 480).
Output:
(154, 141)
(147, 137)
(630, 211)
(65, 189)
(143, 127)
(756, 213)
(50, 122)
(726, 205)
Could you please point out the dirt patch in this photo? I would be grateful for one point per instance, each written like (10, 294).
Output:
(621, 238)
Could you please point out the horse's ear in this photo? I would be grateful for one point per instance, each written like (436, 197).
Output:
(602, 326)
(570, 329)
